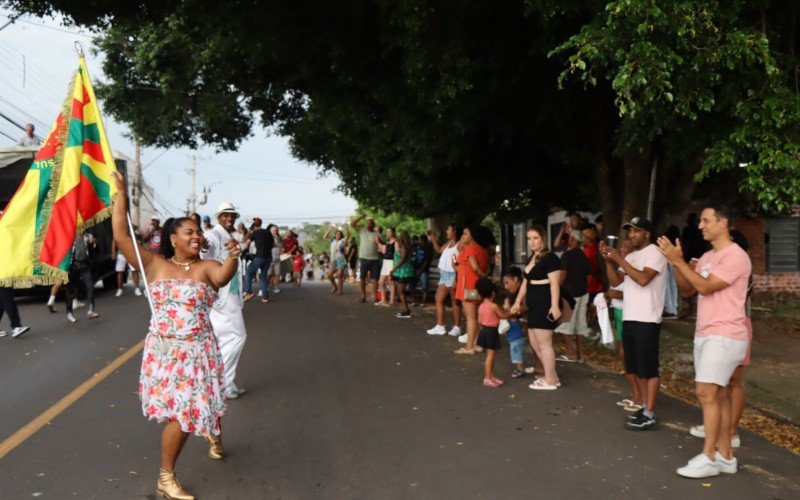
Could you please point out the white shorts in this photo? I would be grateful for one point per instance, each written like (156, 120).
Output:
(121, 263)
(716, 358)
(577, 323)
(387, 267)
(274, 268)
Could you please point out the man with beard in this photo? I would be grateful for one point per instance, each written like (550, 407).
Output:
(367, 254)
(644, 274)
(720, 279)
(226, 315)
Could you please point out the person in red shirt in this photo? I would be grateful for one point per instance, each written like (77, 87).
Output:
(297, 266)
(290, 243)
(595, 280)
(472, 264)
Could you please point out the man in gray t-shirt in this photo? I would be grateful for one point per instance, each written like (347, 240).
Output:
(367, 254)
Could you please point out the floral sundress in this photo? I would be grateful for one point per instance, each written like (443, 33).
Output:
(182, 373)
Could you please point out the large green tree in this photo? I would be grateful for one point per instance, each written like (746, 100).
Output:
(467, 108)
(701, 88)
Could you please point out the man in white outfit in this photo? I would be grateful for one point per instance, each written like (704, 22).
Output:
(226, 315)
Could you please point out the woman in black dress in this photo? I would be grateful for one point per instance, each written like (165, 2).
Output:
(541, 292)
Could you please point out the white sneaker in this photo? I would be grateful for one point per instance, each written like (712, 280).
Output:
(463, 338)
(3, 333)
(698, 431)
(276, 290)
(19, 330)
(91, 314)
(725, 465)
(437, 330)
(71, 318)
(454, 332)
(119, 292)
(137, 292)
(699, 467)
(230, 394)
(530, 369)
(76, 304)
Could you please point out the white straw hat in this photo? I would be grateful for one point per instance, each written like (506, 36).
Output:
(225, 208)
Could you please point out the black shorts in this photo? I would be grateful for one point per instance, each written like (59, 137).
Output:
(640, 342)
(489, 338)
(371, 267)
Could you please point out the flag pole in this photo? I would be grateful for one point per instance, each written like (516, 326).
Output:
(79, 50)
(139, 261)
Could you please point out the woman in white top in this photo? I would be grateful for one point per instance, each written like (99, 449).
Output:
(274, 271)
(447, 280)
(338, 259)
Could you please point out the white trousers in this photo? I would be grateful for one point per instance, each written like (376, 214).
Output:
(228, 324)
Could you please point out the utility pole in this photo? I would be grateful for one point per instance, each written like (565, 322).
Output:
(136, 196)
(193, 197)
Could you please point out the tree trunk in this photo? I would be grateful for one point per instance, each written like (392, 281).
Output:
(636, 166)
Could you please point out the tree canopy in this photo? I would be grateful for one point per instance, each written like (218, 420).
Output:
(469, 108)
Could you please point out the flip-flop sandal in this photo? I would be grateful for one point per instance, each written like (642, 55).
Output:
(464, 350)
(625, 402)
(541, 385)
(567, 359)
(633, 407)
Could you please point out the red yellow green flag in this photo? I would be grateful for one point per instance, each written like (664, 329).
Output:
(68, 188)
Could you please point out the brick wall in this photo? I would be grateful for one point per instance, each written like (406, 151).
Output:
(777, 282)
(753, 230)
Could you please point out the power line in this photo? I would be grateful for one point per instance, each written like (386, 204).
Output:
(30, 116)
(63, 30)
(39, 80)
(34, 103)
(3, 133)
(12, 121)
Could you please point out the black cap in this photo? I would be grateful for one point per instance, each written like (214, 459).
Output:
(639, 223)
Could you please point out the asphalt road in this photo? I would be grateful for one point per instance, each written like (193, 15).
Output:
(345, 401)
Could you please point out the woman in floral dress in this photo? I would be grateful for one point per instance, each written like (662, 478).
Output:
(181, 380)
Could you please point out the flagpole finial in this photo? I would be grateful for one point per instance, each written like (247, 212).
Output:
(79, 48)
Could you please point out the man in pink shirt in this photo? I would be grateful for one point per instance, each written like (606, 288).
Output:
(721, 336)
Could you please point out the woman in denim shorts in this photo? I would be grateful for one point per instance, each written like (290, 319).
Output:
(447, 281)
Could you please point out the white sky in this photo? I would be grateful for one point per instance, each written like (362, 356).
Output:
(260, 179)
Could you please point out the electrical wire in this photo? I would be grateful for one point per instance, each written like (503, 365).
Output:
(30, 117)
(63, 30)
(3, 133)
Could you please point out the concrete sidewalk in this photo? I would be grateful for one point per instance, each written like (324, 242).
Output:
(773, 377)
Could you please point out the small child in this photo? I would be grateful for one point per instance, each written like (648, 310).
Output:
(298, 263)
(516, 340)
(489, 315)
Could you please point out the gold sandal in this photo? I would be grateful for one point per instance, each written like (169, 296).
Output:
(464, 350)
